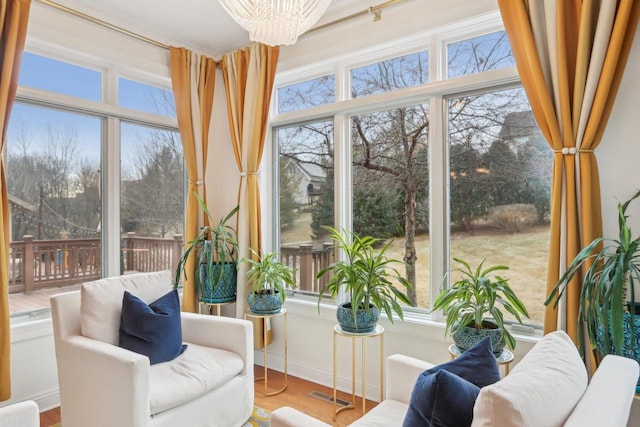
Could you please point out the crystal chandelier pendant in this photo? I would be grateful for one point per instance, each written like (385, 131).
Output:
(275, 22)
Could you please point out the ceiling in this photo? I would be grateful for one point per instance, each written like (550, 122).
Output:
(200, 25)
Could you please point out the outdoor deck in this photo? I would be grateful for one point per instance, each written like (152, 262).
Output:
(36, 300)
(62, 265)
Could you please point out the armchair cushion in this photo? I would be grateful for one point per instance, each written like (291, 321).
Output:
(101, 301)
(153, 330)
(195, 373)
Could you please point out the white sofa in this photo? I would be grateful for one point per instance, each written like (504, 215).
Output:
(547, 388)
(104, 385)
(22, 414)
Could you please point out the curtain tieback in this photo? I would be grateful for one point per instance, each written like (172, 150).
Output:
(195, 182)
(245, 173)
(571, 151)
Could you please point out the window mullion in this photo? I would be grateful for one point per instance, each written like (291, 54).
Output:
(439, 202)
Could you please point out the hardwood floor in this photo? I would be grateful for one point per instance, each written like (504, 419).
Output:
(296, 396)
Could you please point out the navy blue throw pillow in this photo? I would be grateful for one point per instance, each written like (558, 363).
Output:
(443, 400)
(153, 330)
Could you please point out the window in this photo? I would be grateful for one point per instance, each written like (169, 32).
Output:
(152, 197)
(390, 161)
(307, 94)
(305, 197)
(442, 171)
(53, 184)
(59, 179)
(41, 72)
(145, 97)
(391, 74)
(478, 54)
(500, 181)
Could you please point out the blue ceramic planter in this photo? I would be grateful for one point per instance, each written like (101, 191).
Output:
(264, 303)
(467, 337)
(631, 335)
(364, 320)
(222, 291)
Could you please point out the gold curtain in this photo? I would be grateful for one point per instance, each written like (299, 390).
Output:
(571, 55)
(14, 18)
(193, 79)
(248, 78)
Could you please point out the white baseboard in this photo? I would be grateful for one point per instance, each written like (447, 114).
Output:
(319, 376)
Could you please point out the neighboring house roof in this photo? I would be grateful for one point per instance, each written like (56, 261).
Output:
(312, 171)
(519, 124)
(20, 203)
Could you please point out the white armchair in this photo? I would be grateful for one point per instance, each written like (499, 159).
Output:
(22, 414)
(103, 385)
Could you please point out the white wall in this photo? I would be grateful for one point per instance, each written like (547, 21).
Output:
(310, 345)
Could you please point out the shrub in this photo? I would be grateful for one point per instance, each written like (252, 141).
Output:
(514, 218)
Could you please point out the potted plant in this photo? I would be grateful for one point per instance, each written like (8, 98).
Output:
(215, 249)
(369, 278)
(268, 278)
(610, 271)
(472, 307)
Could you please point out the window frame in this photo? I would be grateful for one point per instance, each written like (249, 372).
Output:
(435, 93)
(112, 115)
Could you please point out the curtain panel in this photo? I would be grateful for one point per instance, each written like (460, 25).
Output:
(571, 55)
(193, 79)
(14, 18)
(248, 78)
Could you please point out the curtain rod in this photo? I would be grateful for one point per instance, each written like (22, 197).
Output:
(104, 23)
(375, 10)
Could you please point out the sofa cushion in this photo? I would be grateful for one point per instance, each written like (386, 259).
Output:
(195, 373)
(101, 301)
(153, 330)
(541, 390)
(447, 398)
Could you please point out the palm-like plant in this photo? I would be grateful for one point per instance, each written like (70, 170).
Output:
(611, 271)
(479, 294)
(367, 275)
(214, 244)
(268, 275)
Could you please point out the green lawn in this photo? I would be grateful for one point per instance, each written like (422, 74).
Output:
(525, 254)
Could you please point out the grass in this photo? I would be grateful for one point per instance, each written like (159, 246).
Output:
(525, 253)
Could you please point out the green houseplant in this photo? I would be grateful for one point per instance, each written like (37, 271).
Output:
(268, 278)
(610, 271)
(215, 248)
(369, 278)
(472, 306)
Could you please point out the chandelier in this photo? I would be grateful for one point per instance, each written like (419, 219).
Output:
(275, 22)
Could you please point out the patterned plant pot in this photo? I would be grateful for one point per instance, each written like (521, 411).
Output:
(222, 286)
(265, 302)
(631, 343)
(466, 337)
(364, 320)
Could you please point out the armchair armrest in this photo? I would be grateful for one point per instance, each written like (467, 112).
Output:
(402, 373)
(607, 400)
(123, 377)
(22, 414)
(226, 333)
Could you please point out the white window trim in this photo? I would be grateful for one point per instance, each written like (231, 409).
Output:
(112, 115)
(435, 94)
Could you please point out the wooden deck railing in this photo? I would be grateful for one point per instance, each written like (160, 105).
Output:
(54, 263)
(39, 264)
(307, 261)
